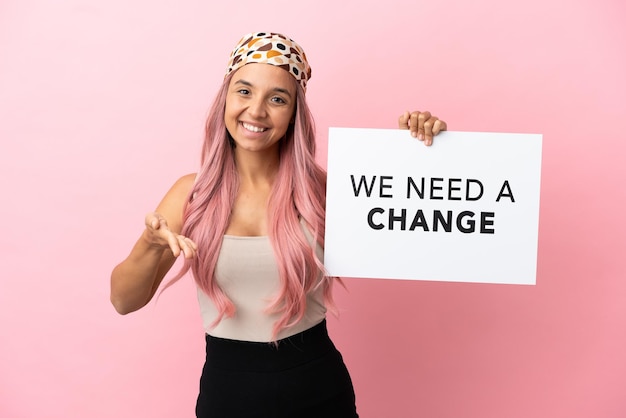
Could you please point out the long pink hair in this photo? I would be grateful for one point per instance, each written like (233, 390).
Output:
(298, 197)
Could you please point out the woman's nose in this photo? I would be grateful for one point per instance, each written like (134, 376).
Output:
(257, 108)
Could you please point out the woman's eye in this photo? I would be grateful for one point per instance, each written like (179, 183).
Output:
(243, 91)
(278, 100)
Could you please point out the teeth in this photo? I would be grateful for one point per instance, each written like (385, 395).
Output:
(252, 127)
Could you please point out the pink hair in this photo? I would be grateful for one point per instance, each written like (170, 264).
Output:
(297, 197)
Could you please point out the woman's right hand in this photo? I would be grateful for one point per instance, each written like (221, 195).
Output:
(158, 234)
(136, 279)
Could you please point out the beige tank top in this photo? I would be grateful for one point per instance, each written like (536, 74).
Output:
(247, 272)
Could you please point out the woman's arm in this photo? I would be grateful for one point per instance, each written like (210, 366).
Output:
(135, 280)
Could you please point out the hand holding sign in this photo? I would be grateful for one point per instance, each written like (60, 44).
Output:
(422, 125)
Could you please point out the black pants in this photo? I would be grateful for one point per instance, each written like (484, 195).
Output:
(302, 376)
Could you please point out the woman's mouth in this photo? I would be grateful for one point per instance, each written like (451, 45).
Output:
(252, 128)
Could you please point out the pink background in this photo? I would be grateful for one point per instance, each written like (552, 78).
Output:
(101, 109)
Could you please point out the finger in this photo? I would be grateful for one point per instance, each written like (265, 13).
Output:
(414, 123)
(163, 224)
(192, 244)
(403, 120)
(155, 221)
(151, 221)
(432, 127)
(421, 120)
(439, 126)
(187, 246)
(174, 244)
(428, 130)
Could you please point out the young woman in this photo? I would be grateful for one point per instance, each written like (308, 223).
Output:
(250, 225)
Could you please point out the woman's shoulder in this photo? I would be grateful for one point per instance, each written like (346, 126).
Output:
(182, 187)
(173, 203)
(180, 190)
(187, 181)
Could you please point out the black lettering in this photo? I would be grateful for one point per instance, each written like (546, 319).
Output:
(401, 219)
(411, 185)
(467, 191)
(445, 223)
(433, 188)
(509, 193)
(451, 189)
(370, 218)
(486, 219)
(385, 186)
(419, 221)
(470, 222)
(362, 182)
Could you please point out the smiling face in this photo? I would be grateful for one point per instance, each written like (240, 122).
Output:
(260, 104)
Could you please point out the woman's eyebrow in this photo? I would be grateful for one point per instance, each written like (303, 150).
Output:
(244, 82)
(283, 91)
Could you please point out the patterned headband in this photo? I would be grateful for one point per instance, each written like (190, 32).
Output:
(274, 49)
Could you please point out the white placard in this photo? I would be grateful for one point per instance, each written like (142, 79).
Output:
(465, 209)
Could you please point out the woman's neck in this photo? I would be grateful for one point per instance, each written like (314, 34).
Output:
(256, 168)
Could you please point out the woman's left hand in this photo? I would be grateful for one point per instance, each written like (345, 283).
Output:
(422, 125)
